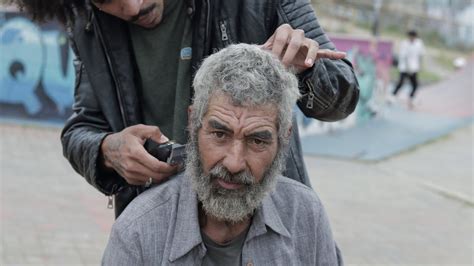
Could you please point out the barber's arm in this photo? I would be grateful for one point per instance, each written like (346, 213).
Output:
(108, 160)
(83, 134)
(327, 81)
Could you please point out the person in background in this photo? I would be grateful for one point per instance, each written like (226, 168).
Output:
(409, 63)
(231, 206)
(134, 63)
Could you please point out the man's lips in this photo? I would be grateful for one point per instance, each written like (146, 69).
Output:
(147, 20)
(229, 185)
(144, 12)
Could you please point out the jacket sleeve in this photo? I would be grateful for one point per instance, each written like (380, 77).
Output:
(83, 134)
(329, 89)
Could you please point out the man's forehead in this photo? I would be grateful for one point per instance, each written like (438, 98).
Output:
(223, 106)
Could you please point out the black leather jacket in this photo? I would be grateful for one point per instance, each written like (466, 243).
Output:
(106, 78)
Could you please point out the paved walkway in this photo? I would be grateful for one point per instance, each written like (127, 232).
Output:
(49, 215)
(412, 209)
(452, 97)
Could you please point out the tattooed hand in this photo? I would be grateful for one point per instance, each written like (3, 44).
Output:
(124, 152)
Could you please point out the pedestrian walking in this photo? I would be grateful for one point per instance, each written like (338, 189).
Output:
(409, 63)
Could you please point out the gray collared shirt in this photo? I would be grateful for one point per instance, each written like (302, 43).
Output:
(161, 227)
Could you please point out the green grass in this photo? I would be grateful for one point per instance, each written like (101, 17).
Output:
(445, 60)
(427, 77)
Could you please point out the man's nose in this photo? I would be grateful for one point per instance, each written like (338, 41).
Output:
(235, 160)
(131, 8)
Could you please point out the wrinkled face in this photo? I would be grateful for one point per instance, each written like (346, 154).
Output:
(145, 13)
(240, 139)
(235, 160)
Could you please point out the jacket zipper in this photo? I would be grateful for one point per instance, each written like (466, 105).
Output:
(309, 104)
(110, 198)
(312, 97)
(114, 76)
(224, 36)
(110, 203)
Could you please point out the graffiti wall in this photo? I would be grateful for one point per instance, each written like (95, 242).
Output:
(37, 75)
(372, 60)
(36, 71)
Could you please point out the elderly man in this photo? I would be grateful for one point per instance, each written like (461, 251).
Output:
(231, 206)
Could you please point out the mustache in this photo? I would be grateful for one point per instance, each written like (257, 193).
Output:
(143, 12)
(221, 172)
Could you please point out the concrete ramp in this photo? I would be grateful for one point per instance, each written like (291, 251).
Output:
(441, 108)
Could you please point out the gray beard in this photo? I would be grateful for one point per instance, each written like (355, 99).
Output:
(224, 204)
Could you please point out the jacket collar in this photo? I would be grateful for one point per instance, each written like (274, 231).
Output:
(187, 234)
(115, 41)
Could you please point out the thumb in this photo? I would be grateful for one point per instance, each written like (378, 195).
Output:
(145, 132)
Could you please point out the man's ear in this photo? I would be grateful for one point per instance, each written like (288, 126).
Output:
(288, 133)
(190, 111)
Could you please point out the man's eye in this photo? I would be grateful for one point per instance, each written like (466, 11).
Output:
(258, 142)
(218, 134)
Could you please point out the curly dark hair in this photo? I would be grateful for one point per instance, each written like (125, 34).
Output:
(42, 10)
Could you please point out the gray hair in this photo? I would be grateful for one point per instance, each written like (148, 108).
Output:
(250, 76)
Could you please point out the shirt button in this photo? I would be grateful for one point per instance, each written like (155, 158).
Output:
(189, 10)
(250, 264)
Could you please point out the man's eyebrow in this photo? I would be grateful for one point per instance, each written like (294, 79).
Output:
(217, 125)
(264, 135)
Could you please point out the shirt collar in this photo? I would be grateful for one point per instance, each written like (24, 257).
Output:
(267, 216)
(187, 233)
